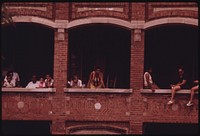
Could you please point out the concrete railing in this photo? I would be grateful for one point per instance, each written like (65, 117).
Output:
(28, 90)
(99, 90)
(166, 91)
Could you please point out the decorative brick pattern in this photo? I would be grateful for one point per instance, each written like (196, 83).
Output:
(26, 106)
(172, 9)
(109, 107)
(100, 9)
(31, 9)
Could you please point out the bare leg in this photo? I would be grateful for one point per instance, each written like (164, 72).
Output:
(174, 89)
(195, 88)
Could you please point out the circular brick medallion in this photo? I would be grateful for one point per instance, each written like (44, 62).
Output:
(97, 106)
(20, 105)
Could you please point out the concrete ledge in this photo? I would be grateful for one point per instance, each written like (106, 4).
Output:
(166, 91)
(28, 90)
(100, 90)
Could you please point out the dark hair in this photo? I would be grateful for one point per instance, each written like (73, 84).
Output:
(97, 67)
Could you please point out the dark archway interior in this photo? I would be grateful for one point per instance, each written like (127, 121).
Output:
(100, 45)
(170, 129)
(29, 49)
(18, 127)
(167, 48)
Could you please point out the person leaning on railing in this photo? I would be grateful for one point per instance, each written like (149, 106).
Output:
(96, 79)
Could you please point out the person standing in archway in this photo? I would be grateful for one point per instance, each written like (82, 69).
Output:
(96, 79)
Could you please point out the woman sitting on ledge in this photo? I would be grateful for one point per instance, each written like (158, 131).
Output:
(96, 79)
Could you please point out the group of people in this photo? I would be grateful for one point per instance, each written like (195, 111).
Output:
(181, 84)
(12, 80)
(95, 80)
(42, 83)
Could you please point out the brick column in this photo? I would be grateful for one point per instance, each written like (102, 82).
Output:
(60, 59)
(137, 59)
(136, 79)
(137, 67)
(60, 81)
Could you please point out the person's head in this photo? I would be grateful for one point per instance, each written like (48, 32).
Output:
(97, 70)
(48, 76)
(75, 78)
(150, 70)
(9, 78)
(180, 71)
(10, 73)
(34, 78)
(41, 80)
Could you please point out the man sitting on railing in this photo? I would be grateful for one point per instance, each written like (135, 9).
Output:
(180, 85)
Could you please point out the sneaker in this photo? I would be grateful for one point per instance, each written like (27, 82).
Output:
(189, 103)
(170, 102)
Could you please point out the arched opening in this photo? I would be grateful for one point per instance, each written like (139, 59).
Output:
(27, 48)
(96, 129)
(169, 46)
(102, 45)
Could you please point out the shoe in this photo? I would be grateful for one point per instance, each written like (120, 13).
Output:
(189, 103)
(170, 102)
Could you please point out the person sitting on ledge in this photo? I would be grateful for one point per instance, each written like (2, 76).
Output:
(75, 82)
(9, 82)
(34, 83)
(96, 79)
(193, 89)
(148, 80)
(180, 85)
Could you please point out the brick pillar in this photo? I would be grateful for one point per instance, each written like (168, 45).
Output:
(60, 81)
(136, 81)
(137, 59)
(60, 59)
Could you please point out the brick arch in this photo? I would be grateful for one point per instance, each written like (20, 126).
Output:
(171, 20)
(103, 128)
(104, 20)
(34, 19)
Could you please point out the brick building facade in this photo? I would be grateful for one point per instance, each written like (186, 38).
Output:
(106, 111)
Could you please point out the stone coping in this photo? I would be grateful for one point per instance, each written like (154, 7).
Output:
(166, 91)
(28, 90)
(99, 90)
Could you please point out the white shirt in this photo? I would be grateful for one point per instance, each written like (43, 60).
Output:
(150, 78)
(7, 84)
(49, 83)
(33, 85)
(15, 77)
(78, 84)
